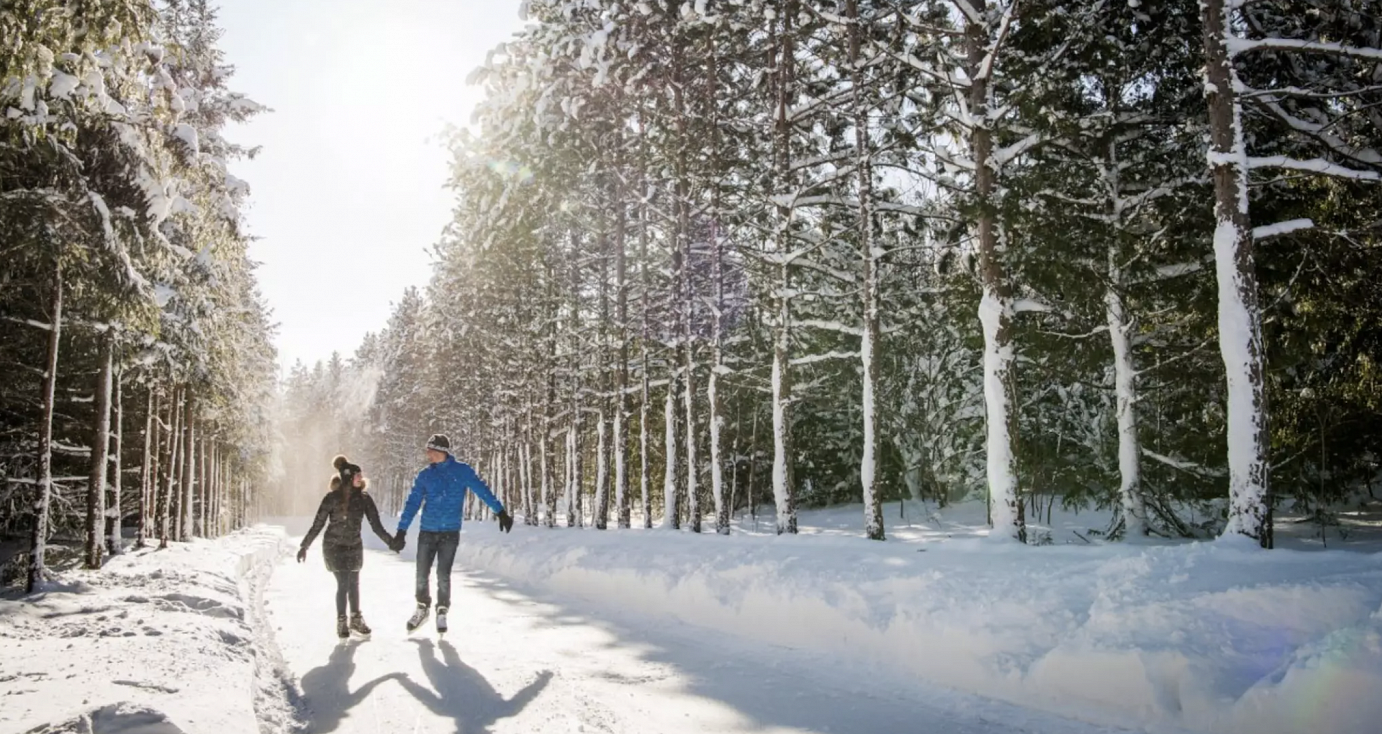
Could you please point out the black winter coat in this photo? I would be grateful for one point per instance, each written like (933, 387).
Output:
(342, 546)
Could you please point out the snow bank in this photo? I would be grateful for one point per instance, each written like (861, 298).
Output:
(1211, 637)
(158, 641)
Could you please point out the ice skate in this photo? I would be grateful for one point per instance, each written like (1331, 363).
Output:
(358, 626)
(418, 617)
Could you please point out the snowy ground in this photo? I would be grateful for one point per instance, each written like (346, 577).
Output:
(518, 660)
(158, 642)
(651, 631)
(1208, 637)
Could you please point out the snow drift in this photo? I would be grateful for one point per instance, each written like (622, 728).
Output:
(160, 642)
(1208, 636)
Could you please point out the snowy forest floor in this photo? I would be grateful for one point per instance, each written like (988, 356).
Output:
(580, 630)
(157, 642)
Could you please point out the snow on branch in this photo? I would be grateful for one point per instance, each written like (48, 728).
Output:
(1314, 165)
(1003, 155)
(1174, 270)
(1280, 228)
(1238, 46)
(812, 358)
(970, 12)
(1181, 464)
(30, 322)
(831, 326)
(1319, 132)
(1030, 304)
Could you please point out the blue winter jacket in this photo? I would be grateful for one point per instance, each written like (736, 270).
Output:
(440, 491)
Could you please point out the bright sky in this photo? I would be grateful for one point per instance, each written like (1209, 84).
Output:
(347, 195)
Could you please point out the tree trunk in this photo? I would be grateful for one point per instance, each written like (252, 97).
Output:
(204, 488)
(569, 471)
(684, 291)
(213, 489)
(549, 457)
(868, 467)
(115, 543)
(100, 456)
(995, 306)
(645, 402)
(1240, 314)
(578, 474)
(217, 489)
(753, 471)
(173, 443)
(189, 471)
(148, 472)
(621, 374)
(529, 509)
(574, 510)
(717, 265)
(505, 473)
(693, 495)
(1125, 385)
(670, 519)
(783, 482)
(717, 459)
(601, 510)
(38, 545)
(549, 500)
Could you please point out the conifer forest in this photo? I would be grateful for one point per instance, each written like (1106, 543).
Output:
(738, 366)
(712, 257)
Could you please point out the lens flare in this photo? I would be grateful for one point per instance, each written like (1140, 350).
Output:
(511, 170)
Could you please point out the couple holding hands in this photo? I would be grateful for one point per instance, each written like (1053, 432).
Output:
(439, 491)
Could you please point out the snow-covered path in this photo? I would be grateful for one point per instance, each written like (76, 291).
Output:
(516, 661)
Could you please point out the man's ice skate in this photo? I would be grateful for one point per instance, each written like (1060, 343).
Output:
(441, 620)
(418, 617)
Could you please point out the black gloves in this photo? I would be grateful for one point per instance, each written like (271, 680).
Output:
(399, 541)
(505, 521)
(302, 554)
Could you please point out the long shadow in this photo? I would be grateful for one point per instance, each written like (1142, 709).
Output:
(780, 687)
(460, 693)
(326, 693)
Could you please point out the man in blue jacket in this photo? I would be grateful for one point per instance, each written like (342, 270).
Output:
(439, 490)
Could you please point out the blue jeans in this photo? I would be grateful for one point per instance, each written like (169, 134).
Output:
(439, 547)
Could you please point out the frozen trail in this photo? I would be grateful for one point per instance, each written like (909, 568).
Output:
(518, 661)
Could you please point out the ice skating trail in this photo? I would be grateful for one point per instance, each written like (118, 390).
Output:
(519, 660)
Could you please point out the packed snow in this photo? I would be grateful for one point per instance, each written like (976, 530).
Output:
(156, 642)
(1203, 637)
(629, 630)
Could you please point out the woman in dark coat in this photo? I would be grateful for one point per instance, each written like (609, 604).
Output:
(345, 507)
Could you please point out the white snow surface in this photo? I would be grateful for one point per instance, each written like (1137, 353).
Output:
(157, 642)
(1207, 637)
(579, 630)
(538, 657)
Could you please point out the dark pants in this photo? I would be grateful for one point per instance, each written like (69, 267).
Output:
(347, 587)
(439, 547)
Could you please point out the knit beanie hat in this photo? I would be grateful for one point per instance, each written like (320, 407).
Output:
(346, 470)
(439, 442)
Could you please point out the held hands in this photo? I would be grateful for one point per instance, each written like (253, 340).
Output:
(505, 521)
(302, 554)
(399, 540)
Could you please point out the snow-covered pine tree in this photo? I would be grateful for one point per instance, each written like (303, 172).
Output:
(1271, 34)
